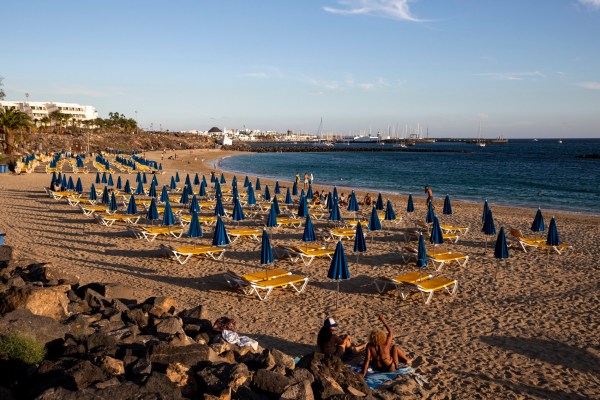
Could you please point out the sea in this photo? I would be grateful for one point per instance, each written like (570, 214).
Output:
(522, 172)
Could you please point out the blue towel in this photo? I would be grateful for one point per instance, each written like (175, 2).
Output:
(375, 379)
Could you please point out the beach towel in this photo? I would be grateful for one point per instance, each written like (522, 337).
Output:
(234, 338)
(375, 379)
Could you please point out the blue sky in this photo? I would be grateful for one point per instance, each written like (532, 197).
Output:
(524, 68)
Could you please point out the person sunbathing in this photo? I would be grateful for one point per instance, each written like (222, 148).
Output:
(367, 201)
(332, 344)
(386, 356)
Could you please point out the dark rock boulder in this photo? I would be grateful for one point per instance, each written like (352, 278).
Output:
(160, 305)
(99, 339)
(168, 326)
(72, 374)
(136, 316)
(138, 369)
(44, 330)
(298, 391)
(46, 301)
(110, 290)
(159, 383)
(83, 374)
(245, 393)
(331, 374)
(78, 326)
(47, 272)
(164, 353)
(270, 383)
(193, 315)
(215, 378)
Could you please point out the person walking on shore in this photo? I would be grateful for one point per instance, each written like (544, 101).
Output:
(306, 181)
(429, 194)
(310, 179)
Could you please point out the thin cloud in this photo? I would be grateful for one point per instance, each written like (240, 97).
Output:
(393, 9)
(513, 76)
(593, 4)
(264, 72)
(261, 75)
(589, 85)
(349, 84)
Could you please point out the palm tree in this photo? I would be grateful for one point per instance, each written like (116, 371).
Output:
(58, 119)
(12, 121)
(45, 121)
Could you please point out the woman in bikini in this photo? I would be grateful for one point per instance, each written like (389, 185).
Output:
(386, 356)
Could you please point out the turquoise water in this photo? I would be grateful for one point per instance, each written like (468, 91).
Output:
(543, 174)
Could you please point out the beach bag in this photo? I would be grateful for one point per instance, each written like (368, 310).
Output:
(224, 324)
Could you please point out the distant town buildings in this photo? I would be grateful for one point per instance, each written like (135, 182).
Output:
(40, 109)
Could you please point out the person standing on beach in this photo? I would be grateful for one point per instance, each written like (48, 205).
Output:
(306, 181)
(429, 194)
(310, 179)
(297, 178)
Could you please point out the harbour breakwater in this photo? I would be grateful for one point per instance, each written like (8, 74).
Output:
(326, 149)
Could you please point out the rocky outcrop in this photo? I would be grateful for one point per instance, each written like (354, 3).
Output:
(103, 344)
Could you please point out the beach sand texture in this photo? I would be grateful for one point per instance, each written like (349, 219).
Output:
(522, 328)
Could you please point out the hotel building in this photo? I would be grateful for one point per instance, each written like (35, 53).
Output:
(40, 109)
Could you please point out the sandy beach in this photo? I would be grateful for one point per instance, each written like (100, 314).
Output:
(522, 328)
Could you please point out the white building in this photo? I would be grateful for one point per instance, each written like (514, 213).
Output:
(40, 109)
(226, 141)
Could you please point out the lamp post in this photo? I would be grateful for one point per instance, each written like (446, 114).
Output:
(136, 122)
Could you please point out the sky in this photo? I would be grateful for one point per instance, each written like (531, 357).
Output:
(520, 68)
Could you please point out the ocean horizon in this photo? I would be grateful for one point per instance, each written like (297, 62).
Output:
(522, 173)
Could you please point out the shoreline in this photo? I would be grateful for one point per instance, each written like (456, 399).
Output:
(416, 196)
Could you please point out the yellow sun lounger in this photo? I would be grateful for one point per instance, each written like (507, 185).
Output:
(186, 219)
(61, 194)
(294, 222)
(351, 223)
(539, 244)
(382, 282)
(438, 258)
(344, 233)
(454, 229)
(441, 259)
(240, 282)
(320, 216)
(110, 219)
(307, 253)
(152, 232)
(235, 234)
(75, 200)
(91, 209)
(381, 216)
(430, 286)
(183, 253)
(296, 282)
(409, 234)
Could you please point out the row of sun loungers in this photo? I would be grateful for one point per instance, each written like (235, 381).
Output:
(264, 283)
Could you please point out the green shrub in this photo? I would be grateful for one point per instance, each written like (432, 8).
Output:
(20, 347)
